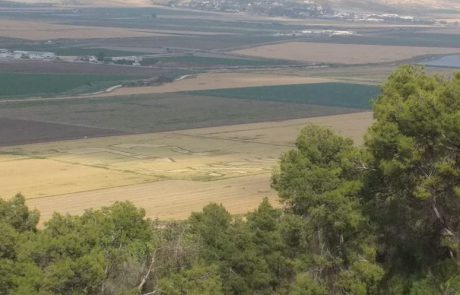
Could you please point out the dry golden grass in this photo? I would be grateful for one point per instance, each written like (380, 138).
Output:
(171, 199)
(341, 53)
(284, 133)
(32, 30)
(43, 177)
(170, 174)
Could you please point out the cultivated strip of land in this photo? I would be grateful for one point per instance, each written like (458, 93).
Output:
(347, 54)
(48, 31)
(216, 80)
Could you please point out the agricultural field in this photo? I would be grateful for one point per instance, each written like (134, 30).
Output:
(46, 31)
(118, 151)
(170, 174)
(180, 42)
(23, 85)
(155, 113)
(357, 96)
(82, 51)
(184, 110)
(243, 86)
(362, 74)
(207, 61)
(345, 54)
(429, 36)
(57, 67)
(164, 200)
(17, 132)
(151, 18)
(223, 80)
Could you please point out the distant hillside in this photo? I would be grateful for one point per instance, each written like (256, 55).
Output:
(362, 5)
(127, 3)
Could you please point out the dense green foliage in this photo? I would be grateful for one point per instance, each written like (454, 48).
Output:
(379, 219)
(19, 84)
(413, 184)
(325, 94)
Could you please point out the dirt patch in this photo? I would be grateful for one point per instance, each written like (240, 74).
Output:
(349, 54)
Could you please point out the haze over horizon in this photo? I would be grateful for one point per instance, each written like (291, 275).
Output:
(378, 5)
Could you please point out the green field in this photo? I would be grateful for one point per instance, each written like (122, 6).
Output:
(346, 95)
(214, 61)
(23, 85)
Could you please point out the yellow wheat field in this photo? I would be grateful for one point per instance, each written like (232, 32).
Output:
(170, 174)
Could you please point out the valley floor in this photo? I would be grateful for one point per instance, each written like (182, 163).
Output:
(170, 174)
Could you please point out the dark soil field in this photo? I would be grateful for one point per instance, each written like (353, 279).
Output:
(18, 132)
(38, 67)
(145, 114)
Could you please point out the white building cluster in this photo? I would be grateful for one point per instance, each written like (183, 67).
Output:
(20, 54)
(374, 17)
(130, 60)
(312, 33)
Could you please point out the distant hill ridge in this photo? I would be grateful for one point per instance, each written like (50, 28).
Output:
(341, 4)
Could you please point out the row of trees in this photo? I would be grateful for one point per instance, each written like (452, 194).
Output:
(379, 219)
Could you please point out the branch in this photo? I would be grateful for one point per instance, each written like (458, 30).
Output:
(146, 276)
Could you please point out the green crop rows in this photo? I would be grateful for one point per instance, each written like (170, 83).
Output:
(326, 94)
(22, 85)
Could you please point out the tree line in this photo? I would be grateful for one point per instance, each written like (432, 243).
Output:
(383, 218)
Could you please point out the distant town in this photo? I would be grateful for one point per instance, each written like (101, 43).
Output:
(51, 56)
(292, 9)
(262, 7)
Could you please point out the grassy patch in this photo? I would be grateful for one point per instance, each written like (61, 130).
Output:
(325, 94)
(23, 85)
(215, 61)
